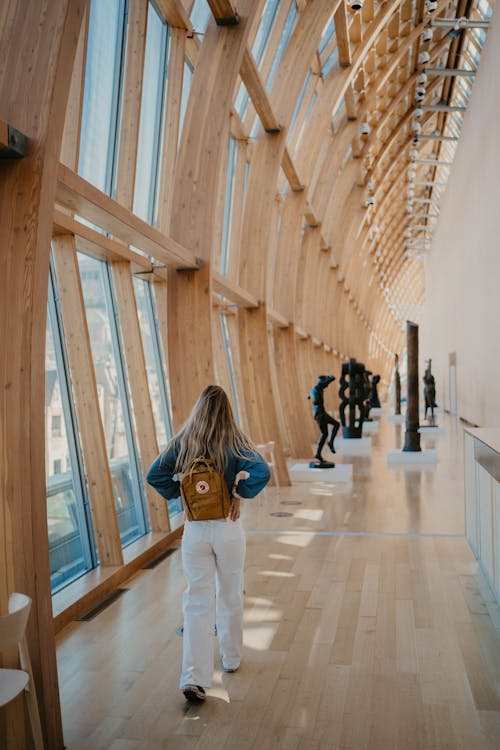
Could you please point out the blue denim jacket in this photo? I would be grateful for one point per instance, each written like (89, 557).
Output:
(162, 471)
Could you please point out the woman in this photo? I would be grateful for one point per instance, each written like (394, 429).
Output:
(213, 552)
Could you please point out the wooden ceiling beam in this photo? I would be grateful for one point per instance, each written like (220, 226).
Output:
(224, 12)
(80, 197)
(342, 34)
(97, 244)
(175, 14)
(290, 171)
(231, 291)
(257, 92)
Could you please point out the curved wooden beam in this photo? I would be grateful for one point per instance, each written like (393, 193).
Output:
(38, 51)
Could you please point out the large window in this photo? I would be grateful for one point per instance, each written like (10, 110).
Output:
(68, 514)
(113, 397)
(186, 88)
(155, 365)
(290, 24)
(200, 16)
(228, 207)
(102, 93)
(230, 367)
(151, 125)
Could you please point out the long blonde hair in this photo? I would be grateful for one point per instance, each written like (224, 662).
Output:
(210, 430)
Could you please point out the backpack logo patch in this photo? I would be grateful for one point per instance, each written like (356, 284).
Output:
(202, 488)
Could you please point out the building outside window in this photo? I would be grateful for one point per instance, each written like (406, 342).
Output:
(114, 399)
(68, 516)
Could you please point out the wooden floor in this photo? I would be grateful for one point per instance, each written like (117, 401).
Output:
(367, 625)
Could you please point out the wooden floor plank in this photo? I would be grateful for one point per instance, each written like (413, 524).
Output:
(359, 631)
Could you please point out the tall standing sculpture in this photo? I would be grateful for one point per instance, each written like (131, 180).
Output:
(397, 386)
(352, 394)
(367, 404)
(323, 419)
(429, 391)
(374, 399)
(412, 435)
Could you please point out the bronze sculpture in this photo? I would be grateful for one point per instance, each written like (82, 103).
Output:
(323, 419)
(374, 399)
(397, 386)
(352, 393)
(429, 391)
(412, 434)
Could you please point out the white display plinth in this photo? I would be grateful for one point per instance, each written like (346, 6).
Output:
(396, 418)
(411, 458)
(353, 445)
(377, 411)
(369, 428)
(303, 473)
(428, 431)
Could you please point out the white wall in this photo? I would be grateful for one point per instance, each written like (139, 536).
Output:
(462, 312)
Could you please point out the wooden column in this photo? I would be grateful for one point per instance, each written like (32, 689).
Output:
(38, 50)
(295, 406)
(84, 386)
(139, 387)
(412, 435)
(257, 384)
(202, 153)
(258, 226)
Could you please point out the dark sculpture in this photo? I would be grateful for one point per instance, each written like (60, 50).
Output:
(352, 393)
(397, 385)
(412, 434)
(374, 399)
(366, 399)
(429, 391)
(323, 419)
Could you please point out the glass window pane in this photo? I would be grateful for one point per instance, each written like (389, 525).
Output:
(69, 554)
(99, 131)
(154, 365)
(155, 67)
(186, 88)
(227, 347)
(228, 208)
(290, 24)
(200, 15)
(112, 399)
(299, 103)
(265, 28)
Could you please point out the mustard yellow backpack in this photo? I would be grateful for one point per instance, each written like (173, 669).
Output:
(204, 491)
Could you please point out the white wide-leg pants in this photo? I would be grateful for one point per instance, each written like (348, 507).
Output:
(213, 556)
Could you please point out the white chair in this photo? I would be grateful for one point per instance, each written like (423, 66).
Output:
(267, 450)
(16, 681)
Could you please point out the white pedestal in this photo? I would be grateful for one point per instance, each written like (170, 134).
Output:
(369, 428)
(377, 411)
(302, 472)
(396, 418)
(428, 431)
(411, 458)
(353, 445)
